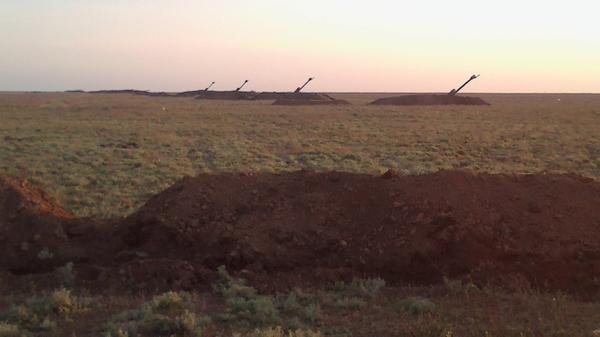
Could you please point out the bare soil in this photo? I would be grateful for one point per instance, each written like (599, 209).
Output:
(292, 229)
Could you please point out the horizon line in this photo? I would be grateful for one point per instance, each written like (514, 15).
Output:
(74, 91)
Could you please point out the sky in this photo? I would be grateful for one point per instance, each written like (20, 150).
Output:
(356, 46)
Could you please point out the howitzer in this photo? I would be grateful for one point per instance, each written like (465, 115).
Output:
(241, 86)
(302, 87)
(455, 91)
(210, 86)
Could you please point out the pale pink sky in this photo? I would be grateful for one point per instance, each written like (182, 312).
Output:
(378, 45)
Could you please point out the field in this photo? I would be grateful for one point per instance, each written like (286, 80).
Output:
(105, 155)
(130, 248)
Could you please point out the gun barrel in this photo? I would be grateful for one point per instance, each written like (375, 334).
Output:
(455, 91)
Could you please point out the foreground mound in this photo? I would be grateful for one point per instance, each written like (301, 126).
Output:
(430, 100)
(31, 227)
(292, 228)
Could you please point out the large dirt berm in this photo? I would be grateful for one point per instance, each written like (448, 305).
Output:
(285, 229)
(534, 230)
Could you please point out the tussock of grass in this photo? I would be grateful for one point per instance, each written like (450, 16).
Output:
(12, 330)
(280, 332)
(243, 304)
(417, 305)
(359, 288)
(168, 314)
(352, 295)
(40, 313)
(301, 308)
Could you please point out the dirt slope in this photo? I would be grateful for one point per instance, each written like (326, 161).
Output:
(518, 231)
(30, 222)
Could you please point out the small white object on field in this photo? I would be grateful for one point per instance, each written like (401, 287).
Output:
(164, 109)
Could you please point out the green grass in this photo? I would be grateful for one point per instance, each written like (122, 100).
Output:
(104, 155)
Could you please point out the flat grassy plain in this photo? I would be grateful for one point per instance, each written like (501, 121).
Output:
(103, 155)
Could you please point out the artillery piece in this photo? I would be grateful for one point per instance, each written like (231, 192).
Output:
(210, 86)
(433, 99)
(453, 92)
(297, 91)
(241, 86)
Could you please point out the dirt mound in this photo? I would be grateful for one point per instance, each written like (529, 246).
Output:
(31, 227)
(225, 95)
(191, 93)
(430, 100)
(286, 229)
(285, 101)
(292, 96)
(539, 230)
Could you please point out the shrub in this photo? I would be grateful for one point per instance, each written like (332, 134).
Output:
(45, 254)
(361, 288)
(168, 314)
(312, 313)
(12, 330)
(242, 303)
(280, 332)
(171, 302)
(302, 305)
(349, 303)
(22, 316)
(353, 295)
(63, 303)
(291, 303)
(416, 305)
(36, 313)
(65, 275)
(459, 287)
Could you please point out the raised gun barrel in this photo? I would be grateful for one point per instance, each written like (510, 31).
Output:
(210, 86)
(241, 86)
(302, 87)
(455, 91)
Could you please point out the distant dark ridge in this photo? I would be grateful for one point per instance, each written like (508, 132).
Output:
(191, 93)
(300, 102)
(120, 91)
(225, 95)
(292, 96)
(133, 92)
